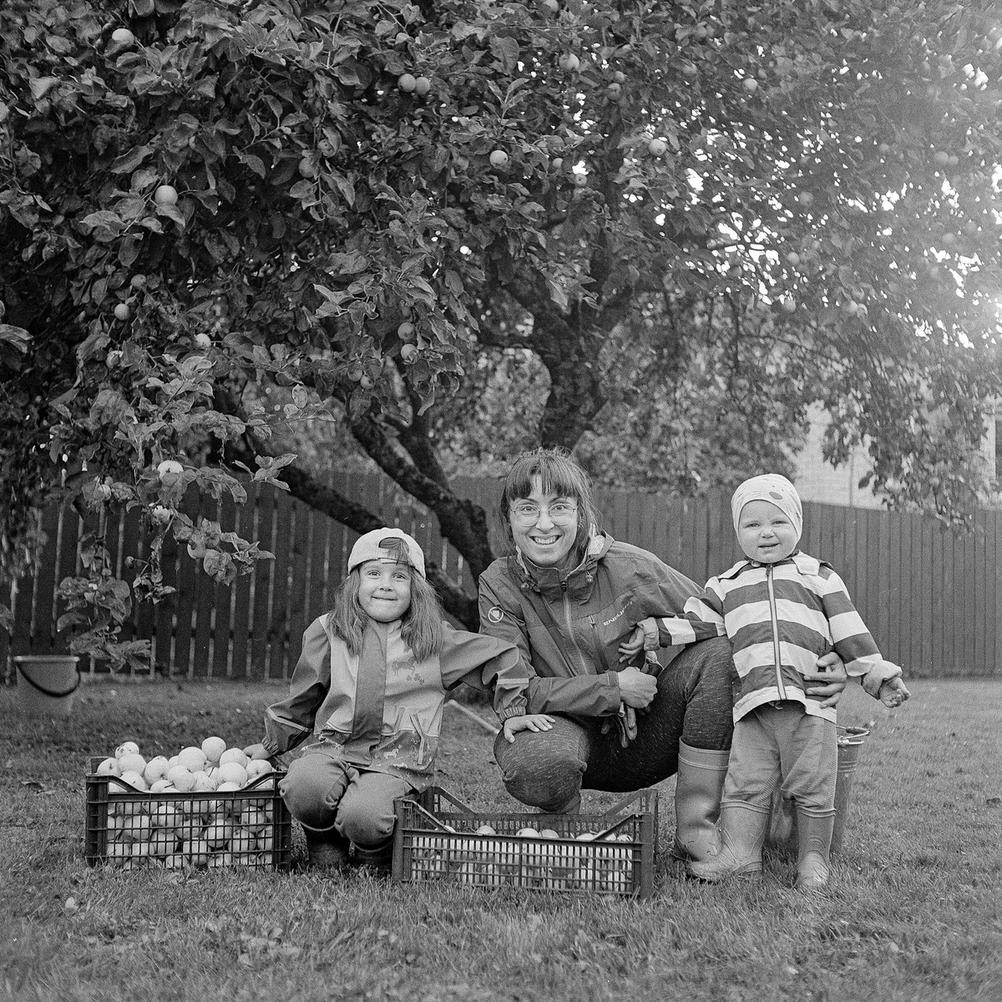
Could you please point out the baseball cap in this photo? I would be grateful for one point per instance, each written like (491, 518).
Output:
(367, 547)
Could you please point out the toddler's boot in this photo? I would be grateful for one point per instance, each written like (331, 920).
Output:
(814, 841)
(698, 783)
(742, 830)
(327, 850)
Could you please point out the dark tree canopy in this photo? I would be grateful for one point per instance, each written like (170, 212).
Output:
(222, 220)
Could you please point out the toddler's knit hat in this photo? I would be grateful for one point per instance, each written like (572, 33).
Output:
(775, 489)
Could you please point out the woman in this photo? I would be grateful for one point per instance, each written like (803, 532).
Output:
(568, 596)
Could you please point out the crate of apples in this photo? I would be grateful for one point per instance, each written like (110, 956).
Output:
(438, 838)
(207, 806)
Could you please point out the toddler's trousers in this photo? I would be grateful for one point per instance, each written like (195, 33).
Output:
(779, 746)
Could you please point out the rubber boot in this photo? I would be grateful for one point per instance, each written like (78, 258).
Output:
(814, 841)
(698, 783)
(327, 850)
(377, 859)
(742, 834)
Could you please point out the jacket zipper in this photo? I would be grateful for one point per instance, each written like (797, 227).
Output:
(774, 619)
(581, 663)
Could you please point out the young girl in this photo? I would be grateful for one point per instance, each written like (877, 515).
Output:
(371, 683)
(780, 609)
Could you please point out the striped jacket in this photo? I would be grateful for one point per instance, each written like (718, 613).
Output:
(780, 618)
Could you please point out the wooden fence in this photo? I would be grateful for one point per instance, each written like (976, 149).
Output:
(930, 597)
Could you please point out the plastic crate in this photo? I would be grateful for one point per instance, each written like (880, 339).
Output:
(436, 839)
(130, 828)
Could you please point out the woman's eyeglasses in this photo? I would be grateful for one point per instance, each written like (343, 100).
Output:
(559, 511)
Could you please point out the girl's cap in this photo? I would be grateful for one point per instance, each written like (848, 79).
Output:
(369, 547)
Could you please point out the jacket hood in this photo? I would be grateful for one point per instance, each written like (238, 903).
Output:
(552, 582)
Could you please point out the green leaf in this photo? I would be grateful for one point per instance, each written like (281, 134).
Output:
(128, 162)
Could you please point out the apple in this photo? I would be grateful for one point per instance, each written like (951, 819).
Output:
(169, 470)
(160, 514)
(127, 748)
(788, 303)
(551, 5)
(202, 340)
(196, 549)
(406, 82)
(113, 358)
(619, 77)
(657, 147)
(884, 149)
(155, 769)
(212, 748)
(307, 168)
(408, 353)
(806, 199)
(569, 62)
(122, 36)
(405, 331)
(750, 84)
(614, 90)
(234, 754)
(102, 492)
(165, 194)
(231, 772)
(135, 779)
(122, 311)
(138, 282)
(498, 158)
(108, 767)
(421, 86)
(191, 758)
(793, 259)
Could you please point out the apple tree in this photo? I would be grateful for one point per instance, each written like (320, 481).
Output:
(225, 220)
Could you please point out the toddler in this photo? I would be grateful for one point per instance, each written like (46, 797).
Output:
(780, 608)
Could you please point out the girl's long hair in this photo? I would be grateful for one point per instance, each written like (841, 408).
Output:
(558, 474)
(420, 625)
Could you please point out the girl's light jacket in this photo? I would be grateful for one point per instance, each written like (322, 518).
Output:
(322, 698)
(780, 618)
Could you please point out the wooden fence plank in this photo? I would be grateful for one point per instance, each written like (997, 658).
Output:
(298, 611)
(203, 598)
(184, 605)
(243, 591)
(263, 580)
(278, 623)
(46, 582)
(222, 603)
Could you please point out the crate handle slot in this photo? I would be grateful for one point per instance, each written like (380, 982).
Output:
(432, 792)
(430, 817)
(621, 805)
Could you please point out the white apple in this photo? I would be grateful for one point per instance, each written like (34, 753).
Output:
(237, 755)
(231, 772)
(192, 758)
(108, 767)
(127, 748)
(135, 779)
(155, 769)
(182, 779)
(212, 748)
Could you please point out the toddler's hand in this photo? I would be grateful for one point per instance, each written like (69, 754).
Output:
(643, 638)
(893, 692)
(529, 722)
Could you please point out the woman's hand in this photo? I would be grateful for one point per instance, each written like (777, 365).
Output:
(832, 679)
(636, 687)
(529, 722)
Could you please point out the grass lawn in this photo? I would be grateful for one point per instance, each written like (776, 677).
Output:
(913, 913)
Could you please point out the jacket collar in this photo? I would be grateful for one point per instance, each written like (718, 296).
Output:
(552, 582)
(804, 564)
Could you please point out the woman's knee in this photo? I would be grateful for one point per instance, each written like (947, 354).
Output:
(312, 789)
(544, 769)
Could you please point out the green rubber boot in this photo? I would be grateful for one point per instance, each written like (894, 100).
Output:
(814, 841)
(742, 830)
(698, 783)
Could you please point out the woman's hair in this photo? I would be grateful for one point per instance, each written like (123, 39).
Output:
(558, 474)
(421, 623)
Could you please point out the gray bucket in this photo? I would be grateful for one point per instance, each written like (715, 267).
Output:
(46, 683)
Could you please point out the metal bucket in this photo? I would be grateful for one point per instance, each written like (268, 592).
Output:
(783, 824)
(46, 683)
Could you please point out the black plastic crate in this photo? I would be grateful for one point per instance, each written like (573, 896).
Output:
(130, 828)
(439, 838)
